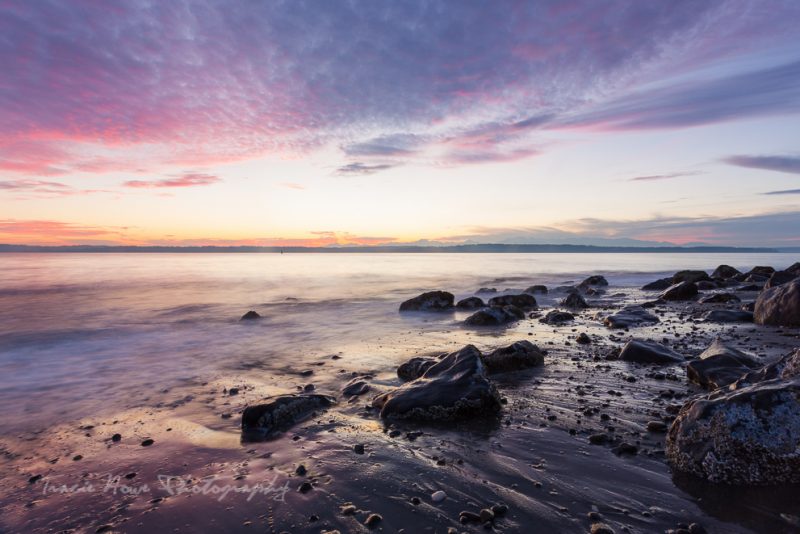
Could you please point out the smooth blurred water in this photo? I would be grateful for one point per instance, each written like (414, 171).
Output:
(80, 332)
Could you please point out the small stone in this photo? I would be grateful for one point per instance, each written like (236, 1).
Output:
(305, 487)
(415, 501)
(656, 426)
(469, 517)
(147, 442)
(233, 391)
(696, 528)
(301, 470)
(358, 449)
(583, 339)
(348, 509)
(500, 509)
(601, 528)
(372, 520)
(486, 515)
(251, 315)
(77, 458)
(598, 439)
(116, 437)
(438, 496)
(34, 479)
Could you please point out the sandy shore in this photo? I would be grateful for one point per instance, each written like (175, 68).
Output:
(536, 457)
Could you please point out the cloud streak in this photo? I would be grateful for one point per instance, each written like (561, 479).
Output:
(787, 164)
(656, 177)
(185, 180)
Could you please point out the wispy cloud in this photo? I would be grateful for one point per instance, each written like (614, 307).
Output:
(788, 164)
(363, 169)
(784, 192)
(184, 180)
(654, 177)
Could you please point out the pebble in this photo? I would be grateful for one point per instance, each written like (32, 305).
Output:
(598, 439)
(358, 449)
(500, 509)
(656, 426)
(233, 391)
(601, 528)
(486, 515)
(469, 517)
(348, 509)
(372, 520)
(438, 496)
(305, 487)
(116, 437)
(147, 442)
(301, 470)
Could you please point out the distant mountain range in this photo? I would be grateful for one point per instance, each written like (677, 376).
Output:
(467, 248)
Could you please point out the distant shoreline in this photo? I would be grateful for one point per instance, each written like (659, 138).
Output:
(464, 249)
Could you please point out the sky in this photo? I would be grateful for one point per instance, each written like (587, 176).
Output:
(324, 123)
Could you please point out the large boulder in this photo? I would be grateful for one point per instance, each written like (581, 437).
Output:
(680, 291)
(495, 316)
(725, 272)
(729, 316)
(557, 317)
(719, 366)
(453, 388)
(779, 305)
(520, 355)
(595, 280)
(574, 301)
(430, 301)
(470, 303)
(794, 269)
(414, 368)
(786, 367)
(779, 278)
(761, 270)
(630, 316)
(745, 436)
(690, 276)
(523, 301)
(639, 351)
(658, 285)
(280, 413)
(716, 298)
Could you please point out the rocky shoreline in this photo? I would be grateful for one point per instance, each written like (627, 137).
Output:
(620, 410)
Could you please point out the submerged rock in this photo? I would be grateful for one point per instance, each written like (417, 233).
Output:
(453, 388)
(725, 271)
(729, 316)
(630, 316)
(536, 289)
(430, 301)
(414, 368)
(658, 285)
(519, 355)
(281, 413)
(470, 303)
(250, 316)
(523, 301)
(494, 316)
(556, 317)
(719, 366)
(639, 351)
(779, 305)
(680, 291)
(574, 301)
(746, 436)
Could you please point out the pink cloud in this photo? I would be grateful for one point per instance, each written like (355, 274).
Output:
(184, 180)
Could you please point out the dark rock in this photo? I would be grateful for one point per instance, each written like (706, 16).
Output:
(430, 301)
(625, 448)
(729, 316)
(786, 367)
(574, 301)
(372, 520)
(519, 355)
(486, 515)
(680, 291)
(537, 289)
(794, 269)
(487, 290)
(751, 287)
(596, 280)
(470, 303)
(756, 279)
(658, 285)
(250, 316)
(779, 305)
(356, 386)
(600, 528)
(358, 448)
(556, 317)
(706, 286)
(725, 272)
(720, 365)
(690, 276)
(233, 391)
(656, 426)
(598, 439)
(719, 297)
(301, 470)
(630, 316)
(281, 413)
(761, 270)
(779, 278)
(453, 388)
(523, 301)
(494, 316)
(469, 517)
(305, 487)
(414, 368)
(746, 436)
(583, 339)
(640, 351)
(116, 437)
(147, 442)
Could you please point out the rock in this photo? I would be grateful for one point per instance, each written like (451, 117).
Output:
(625, 448)
(680, 291)
(706, 286)
(116, 437)
(430, 301)
(280, 414)
(500, 509)
(556, 317)
(147, 442)
(414, 368)
(746, 436)
(779, 305)
(756, 279)
(639, 351)
(486, 515)
(356, 386)
(233, 391)
(751, 287)
(520, 355)
(358, 448)
(372, 520)
(453, 388)
(470, 303)
(523, 301)
(690, 276)
(301, 470)
(794, 269)
(469, 517)
(725, 271)
(487, 290)
(494, 316)
(596, 280)
(656, 426)
(601, 528)
(250, 316)
(438, 496)
(720, 365)
(785, 368)
(658, 285)
(305, 487)
(598, 439)
(583, 339)
(574, 301)
(729, 316)
(761, 271)
(779, 278)
(630, 316)
(719, 298)
(537, 289)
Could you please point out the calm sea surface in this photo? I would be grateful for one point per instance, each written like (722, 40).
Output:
(80, 333)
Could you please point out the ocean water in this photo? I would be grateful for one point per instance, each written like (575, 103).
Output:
(86, 333)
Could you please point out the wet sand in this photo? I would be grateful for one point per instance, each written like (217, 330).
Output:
(535, 457)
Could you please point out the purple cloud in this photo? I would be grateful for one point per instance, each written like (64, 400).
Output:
(363, 169)
(654, 177)
(784, 192)
(789, 164)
